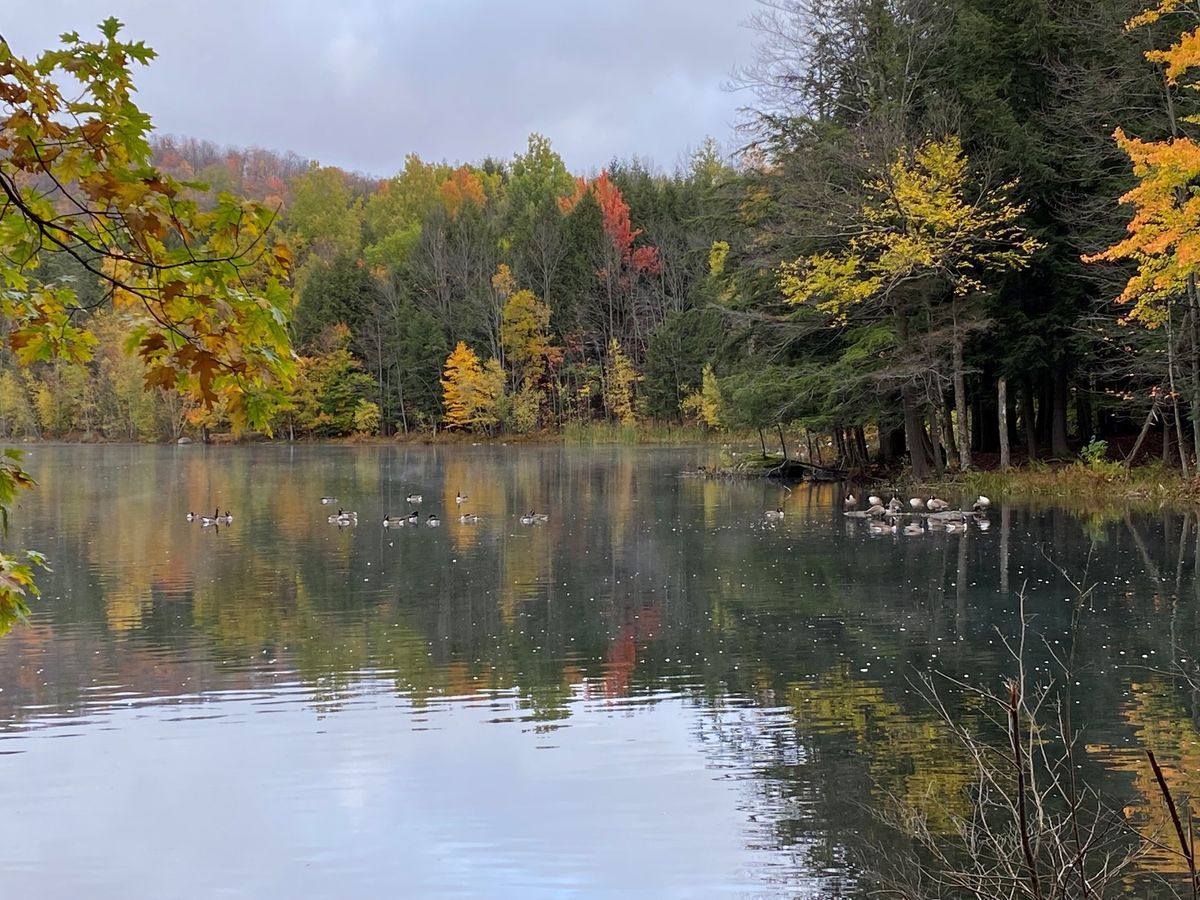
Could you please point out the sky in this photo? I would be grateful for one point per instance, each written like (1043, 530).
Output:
(361, 83)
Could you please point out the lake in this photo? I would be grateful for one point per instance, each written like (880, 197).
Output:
(653, 693)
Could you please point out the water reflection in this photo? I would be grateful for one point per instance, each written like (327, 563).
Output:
(653, 691)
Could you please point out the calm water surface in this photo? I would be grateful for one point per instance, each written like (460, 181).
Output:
(655, 693)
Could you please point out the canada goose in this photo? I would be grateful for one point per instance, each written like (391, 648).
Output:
(225, 519)
(935, 505)
(191, 516)
(916, 502)
(433, 521)
(344, 518)
(533, 518)
(850, 502)
(214, 519)
(468, 518)
(328, 500)
(413, 498)
(775, 514)
(413, 518)
(877, 511)
(954, 527)
(874, 500)
(894, 505)
(879, 527)
(391, 522)
(981, 503)
(460, 497)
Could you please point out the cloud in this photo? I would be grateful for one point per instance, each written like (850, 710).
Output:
(361, 83)
(350, 60)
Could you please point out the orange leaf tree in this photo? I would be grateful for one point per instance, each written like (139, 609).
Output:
(1163, 236)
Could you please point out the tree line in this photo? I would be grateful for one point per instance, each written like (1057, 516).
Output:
(920, 251)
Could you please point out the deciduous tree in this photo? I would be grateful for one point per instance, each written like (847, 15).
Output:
(926, 242)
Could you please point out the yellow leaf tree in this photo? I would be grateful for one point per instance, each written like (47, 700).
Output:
(470, 391)
(621, 378)
(1163, 239)
(525, 336)
(926, 239)
(705, 404)
(462, 369)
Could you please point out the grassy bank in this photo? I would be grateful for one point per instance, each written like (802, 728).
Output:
(597, 433)
(1080, 483)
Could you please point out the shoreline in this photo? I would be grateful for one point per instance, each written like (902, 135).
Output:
(1087, 484)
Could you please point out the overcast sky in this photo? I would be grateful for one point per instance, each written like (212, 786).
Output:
(360, 83)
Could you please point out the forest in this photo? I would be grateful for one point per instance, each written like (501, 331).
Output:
(953, 233)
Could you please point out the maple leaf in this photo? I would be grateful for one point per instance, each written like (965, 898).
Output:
(161, 376)
(206, 366)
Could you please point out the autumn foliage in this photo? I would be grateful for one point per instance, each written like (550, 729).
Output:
(614, 211)
(1163, 237)
(463, 188)
(470, 391)
(206, 284)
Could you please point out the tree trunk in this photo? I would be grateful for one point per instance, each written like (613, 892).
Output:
(1194, 335)
(1137, 445)
(939, 464)
(403, 413)
(960, 407)
(914, 434)
(762, 440)
(1002, 401)
(781, 441)
(1183, 465)
(919, 451)
(1083, 417)
(1058, 417)
(1031, 442)
(953, 454)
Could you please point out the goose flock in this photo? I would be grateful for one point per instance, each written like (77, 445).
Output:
(344, 518)
(413, 518)
(929, 514)
(217, 518)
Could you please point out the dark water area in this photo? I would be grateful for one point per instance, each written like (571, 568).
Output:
(653, 693)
